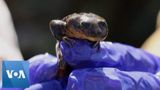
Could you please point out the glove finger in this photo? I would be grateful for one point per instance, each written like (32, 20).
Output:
(49, 85)
(42, 68)
(111, 79)
(120, 56)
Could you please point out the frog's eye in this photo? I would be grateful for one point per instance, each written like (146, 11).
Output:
(86, 25)
(75, 24)
(102, 25)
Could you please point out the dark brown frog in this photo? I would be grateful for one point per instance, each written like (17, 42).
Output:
(86, 26)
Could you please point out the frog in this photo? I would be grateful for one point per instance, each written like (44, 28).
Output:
(86, 26)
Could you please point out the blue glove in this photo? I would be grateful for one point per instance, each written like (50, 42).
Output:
(112, 79)
(133, 69)
(43, 69)
(126, 63)
(123, 57)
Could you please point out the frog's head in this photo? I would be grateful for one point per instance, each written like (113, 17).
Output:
(81, 25)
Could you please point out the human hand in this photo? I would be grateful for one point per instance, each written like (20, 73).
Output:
(43, 70)
(114, 67)
(121, 56)
(152, 43)
(158, 21)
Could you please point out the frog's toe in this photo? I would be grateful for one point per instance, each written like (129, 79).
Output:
(69, 41)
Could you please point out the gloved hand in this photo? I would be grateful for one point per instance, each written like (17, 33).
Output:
(113, 67)
(132, 68)
(43, 69)
(121, 56)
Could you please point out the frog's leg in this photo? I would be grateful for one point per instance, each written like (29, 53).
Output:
(64, 68)
(58, 28)
(69, 41)
(62, 63)
(97, 45)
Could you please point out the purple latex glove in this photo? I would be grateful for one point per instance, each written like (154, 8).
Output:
(43, 69)
(46, 85)
(99, 76)
(112, 79)
(123, 57)
(127, 62)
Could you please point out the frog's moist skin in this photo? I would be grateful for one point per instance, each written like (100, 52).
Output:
(80, 25)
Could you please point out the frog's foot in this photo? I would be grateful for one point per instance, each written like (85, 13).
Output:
(69, 41)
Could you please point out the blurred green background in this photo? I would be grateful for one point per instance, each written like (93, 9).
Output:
(130, 21)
